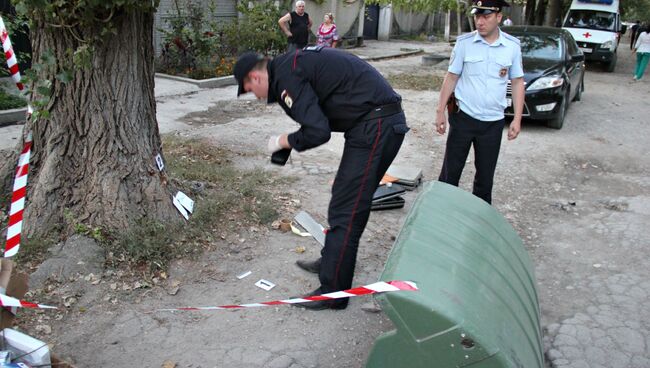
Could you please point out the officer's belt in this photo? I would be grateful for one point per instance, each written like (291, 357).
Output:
(382, 111)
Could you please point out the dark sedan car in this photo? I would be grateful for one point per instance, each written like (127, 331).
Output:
(554, 71)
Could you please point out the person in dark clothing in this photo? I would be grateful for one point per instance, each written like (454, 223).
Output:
(634, 33)
(296, 25)
(326, 90)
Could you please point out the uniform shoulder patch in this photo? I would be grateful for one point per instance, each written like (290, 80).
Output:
(286, 98)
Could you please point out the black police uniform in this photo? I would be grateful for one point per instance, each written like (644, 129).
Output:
(326, 90)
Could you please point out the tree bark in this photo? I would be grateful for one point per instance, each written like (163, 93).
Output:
(554, 12)
(93, 159)
(541, 12)
(530, 12)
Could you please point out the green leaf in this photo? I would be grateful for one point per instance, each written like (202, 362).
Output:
(65, 76)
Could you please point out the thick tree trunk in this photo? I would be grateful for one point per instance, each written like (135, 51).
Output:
(93, 159)
(530, 12)
(541, 12)
(554, 12)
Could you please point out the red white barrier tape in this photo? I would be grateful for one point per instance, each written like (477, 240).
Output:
(12, 62)
(7, 301)
(377, 287)
(18, 201)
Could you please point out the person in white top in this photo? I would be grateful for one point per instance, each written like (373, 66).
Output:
(507, 22)
(642, 49)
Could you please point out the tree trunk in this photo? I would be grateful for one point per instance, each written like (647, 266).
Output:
(554, 12)
(541, 12)
(530, 12)
(93, 159)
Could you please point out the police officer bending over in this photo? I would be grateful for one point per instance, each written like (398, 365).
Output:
(480, 66)
(326, 90)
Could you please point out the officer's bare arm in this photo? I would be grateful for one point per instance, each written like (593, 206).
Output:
(518, 93)
(448, 86)
(283, 22)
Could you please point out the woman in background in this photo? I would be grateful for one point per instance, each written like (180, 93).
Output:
(642, 48)
(327, 35)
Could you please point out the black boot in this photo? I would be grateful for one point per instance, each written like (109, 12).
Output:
(310, 266)
(321, 304)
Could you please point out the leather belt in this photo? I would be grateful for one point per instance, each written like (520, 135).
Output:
(382, 111)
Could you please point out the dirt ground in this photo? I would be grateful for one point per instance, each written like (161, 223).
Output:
(579, 197)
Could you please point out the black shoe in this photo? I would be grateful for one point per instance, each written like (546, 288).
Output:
(310, 266)
(320, 304)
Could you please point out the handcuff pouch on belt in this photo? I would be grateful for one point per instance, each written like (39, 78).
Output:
(452, 104)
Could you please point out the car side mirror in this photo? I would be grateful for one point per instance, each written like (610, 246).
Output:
(578, 57)
(623, 29)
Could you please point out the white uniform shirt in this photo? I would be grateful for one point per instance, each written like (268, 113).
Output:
(484, 72)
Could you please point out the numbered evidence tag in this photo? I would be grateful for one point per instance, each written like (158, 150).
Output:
(159, 162)
(264, 284)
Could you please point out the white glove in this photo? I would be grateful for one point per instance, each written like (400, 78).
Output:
(274, 144)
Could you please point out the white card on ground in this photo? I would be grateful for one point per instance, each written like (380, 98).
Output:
(265, 284)
(242, 275)
(180, 208)
(185, 201)
(159, 162)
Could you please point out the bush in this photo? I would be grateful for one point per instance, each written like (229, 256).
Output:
(199, 48)
(9, 101)
(258, 29)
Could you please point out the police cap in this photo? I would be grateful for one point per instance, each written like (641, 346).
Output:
(245, 64)
(488, 6)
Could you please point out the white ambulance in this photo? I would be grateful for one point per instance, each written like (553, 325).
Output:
(596, 27)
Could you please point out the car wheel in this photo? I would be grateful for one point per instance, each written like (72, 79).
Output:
(558, 121)
(609, 67)
(581, 88)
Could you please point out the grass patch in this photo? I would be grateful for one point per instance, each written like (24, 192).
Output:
(9, 101)
(417, 82)
(228, 199)
(33, 251)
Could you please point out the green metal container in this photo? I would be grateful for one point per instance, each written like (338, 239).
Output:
(477, 304)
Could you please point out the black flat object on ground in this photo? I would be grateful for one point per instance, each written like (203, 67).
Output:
(388, 204)
(384, 192)
(280, 157)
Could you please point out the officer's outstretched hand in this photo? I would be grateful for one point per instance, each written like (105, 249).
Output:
(441, 123)
(515, 128)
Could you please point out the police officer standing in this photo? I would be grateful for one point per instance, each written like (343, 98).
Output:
(296, 25)
(480, 67)
(327, 90)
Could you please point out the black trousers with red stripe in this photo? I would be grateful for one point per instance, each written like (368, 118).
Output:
(370, 148)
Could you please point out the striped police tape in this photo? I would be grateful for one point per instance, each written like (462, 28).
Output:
(18, 201)
(20, 183)
(377, 287)
(7, 301)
